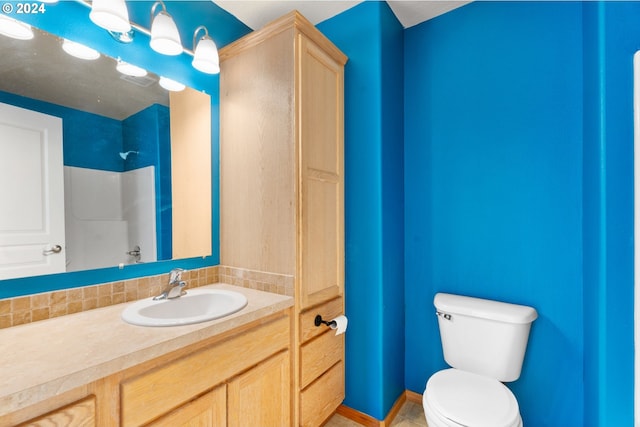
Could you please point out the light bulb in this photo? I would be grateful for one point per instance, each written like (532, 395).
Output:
(165, 38)
(171, 85)
(205, 56)
(79, 50)
(130, 69)
(15, 29)
(112, 15)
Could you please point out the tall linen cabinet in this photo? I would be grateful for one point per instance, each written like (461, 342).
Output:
(282, 188)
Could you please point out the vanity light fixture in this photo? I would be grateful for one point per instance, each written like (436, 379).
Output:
(112, 15)
(165, 38)
(15, 29)
(171, 85)
(79, 50)
(205, 52)
(164, 35)
(130, 69)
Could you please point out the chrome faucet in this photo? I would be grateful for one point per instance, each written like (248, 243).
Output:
(175, 287)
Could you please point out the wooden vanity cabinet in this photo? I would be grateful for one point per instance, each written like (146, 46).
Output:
(282, 187)
(233, 375)
(241, 378)
(259, 396)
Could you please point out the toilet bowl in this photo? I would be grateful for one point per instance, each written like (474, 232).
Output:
(484, 342)
(455, 398)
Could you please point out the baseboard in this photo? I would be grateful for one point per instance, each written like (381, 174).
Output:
(369, 421)
(414, 397)
(358, 417)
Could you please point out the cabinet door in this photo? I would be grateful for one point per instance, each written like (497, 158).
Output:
(79, 414)
(260, 396)
(208, 410)
(321, 238)
(257, 185)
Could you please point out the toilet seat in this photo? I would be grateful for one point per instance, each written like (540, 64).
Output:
(459, 398)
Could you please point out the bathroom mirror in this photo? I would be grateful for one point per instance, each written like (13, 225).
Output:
(116, 150)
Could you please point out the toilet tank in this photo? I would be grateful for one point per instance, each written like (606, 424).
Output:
(483, 336)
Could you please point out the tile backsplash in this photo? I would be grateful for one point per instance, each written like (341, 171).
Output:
(270, 282)
(47, 305)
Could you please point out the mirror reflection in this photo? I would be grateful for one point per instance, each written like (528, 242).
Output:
(116, 161)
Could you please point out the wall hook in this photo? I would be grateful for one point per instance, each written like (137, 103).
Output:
(318, 321)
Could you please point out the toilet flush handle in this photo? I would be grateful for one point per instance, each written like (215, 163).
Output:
(447, 316)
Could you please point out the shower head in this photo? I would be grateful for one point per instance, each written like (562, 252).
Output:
(125, 155)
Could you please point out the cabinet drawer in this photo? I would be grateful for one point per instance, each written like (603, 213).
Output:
(322, 397)
(79, 414)
(156, 392)
(327, 310)
(320, 354)
(208, 410)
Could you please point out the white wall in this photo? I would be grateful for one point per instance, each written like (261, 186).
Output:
(139, 210)
(101, 210)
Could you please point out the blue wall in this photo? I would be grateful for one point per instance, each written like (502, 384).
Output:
(71, 20)
(371, 37)
(493, 154)
(90, 141)
(612, 36)
(519, 187)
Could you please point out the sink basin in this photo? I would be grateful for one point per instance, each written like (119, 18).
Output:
(198, 305)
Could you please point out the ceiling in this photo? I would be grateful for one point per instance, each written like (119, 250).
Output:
(39, 69)
(256, 13)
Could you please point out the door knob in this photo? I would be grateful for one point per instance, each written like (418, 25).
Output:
(54, 250)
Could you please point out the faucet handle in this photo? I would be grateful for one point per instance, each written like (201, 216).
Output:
(176, 274)
(177, 290)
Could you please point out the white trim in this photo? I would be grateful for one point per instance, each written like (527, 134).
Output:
(636, 227)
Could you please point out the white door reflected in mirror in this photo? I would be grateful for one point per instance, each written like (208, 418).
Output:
(31, 187)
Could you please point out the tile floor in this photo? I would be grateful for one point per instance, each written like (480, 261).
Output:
(410, 415)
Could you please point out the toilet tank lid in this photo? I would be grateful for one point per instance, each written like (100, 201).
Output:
(483, 308)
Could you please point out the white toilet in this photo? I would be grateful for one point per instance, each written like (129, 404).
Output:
(484, 342)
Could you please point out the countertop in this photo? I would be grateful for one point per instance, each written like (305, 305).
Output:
(43, 359)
